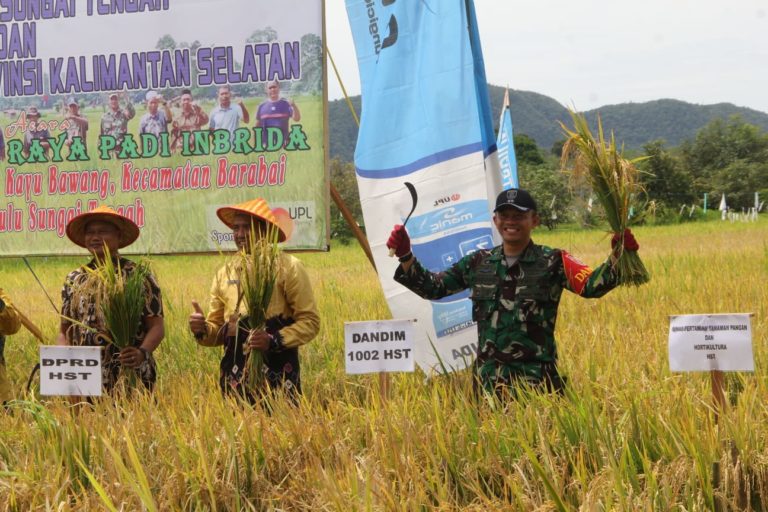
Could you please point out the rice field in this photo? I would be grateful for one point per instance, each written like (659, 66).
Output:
(629, 435)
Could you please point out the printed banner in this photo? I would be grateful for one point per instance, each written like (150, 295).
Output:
(425, 120)
(164, 110)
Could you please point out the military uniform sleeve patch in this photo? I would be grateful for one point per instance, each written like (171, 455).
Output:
(576, 272)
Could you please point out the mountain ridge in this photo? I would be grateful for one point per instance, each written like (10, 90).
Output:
(538, 116)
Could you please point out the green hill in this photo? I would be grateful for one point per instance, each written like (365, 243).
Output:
(671, 120)
(537, 115)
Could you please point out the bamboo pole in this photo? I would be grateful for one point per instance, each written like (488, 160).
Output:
(31, 327)
(359, 235)
(717, 378)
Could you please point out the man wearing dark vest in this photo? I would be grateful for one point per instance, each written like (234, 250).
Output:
(515, 292)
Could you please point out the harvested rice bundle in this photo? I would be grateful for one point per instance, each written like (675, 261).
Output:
(614, 180)
(259, 269)
(120, 298)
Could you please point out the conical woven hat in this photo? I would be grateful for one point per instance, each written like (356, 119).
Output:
(260, 209)
(129, 231)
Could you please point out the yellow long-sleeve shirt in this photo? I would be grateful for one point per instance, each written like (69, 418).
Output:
(291, 298)
(9, 319)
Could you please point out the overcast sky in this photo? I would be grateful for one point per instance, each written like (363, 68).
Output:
(597, 52)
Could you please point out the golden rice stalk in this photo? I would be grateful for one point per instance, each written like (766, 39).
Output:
(613, 179)
(121, 299)
(259, 266)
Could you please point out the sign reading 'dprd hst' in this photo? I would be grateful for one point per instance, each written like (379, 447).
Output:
(70, 371)
(379, 346)
(710, 342)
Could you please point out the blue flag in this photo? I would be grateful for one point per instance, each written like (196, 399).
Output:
(506, 144)
(425, 120)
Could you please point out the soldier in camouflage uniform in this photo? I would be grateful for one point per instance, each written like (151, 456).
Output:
(515, 291)
(114, 121)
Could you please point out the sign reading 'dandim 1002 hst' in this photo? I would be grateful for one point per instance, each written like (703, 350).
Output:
(164, 110)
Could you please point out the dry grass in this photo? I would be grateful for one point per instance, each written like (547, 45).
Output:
(628, 436)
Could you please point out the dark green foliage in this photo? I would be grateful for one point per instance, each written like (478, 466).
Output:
(344, 179)
(663, 177)
(728, 157)
(342, 128)
(545, 182)
(526, 151)
(557, 148)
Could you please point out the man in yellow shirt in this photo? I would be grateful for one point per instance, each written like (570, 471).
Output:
(9, 324)
(292, 318)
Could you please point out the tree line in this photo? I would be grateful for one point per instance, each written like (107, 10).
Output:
(726, 156)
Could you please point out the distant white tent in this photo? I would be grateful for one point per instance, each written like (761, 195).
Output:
(723, 207)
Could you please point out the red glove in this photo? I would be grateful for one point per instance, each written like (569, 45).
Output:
(399, 241)
(630, 244)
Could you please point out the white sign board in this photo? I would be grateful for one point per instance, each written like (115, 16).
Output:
(70, 371)
(380, 346)
(710, 342)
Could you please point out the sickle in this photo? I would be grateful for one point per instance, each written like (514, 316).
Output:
(415, 200)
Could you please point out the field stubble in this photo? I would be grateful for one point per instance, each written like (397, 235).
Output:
(629, 435)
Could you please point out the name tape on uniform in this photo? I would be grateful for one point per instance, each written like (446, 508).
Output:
(379, 346)
(711, 342)
(70, 371)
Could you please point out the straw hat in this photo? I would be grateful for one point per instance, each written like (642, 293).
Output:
(129, 231)
(260, 209)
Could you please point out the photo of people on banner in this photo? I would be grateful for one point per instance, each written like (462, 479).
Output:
(189, 131)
